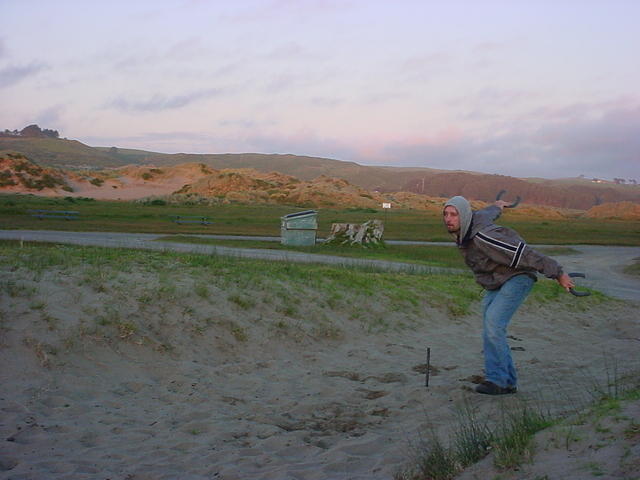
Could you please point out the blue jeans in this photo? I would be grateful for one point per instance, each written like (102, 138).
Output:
(498, 308)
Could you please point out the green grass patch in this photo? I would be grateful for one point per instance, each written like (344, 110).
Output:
(439, 256)
(548, 291)
(101, 265)
(510, 439)
(260, 220)
(454, 293)
(513, 440)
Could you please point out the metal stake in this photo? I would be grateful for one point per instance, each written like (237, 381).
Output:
(426, 380)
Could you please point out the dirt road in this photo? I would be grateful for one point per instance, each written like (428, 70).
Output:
(602, 264)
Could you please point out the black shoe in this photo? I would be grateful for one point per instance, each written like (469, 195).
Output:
(490, 388)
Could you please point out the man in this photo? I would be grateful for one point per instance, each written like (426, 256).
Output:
(505, 266)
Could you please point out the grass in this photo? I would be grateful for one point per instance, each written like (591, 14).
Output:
(300, 299)
(259, 220)
(513, 440)
(174, 281)
(454, 293)
(438, 256)
(510, 439)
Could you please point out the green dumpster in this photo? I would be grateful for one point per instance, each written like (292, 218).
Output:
(299, 229)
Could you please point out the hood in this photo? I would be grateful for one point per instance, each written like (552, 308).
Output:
(464, 212)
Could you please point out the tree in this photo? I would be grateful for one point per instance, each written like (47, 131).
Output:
(34, 131)
(31, 131)
(50, 133)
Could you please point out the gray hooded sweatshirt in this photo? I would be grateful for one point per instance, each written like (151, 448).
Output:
(495, 253)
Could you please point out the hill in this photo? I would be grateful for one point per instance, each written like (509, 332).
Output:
(196, 180)
(564, 193)
(579, 194)
(18, 174)
(56, 152)
(615, 211)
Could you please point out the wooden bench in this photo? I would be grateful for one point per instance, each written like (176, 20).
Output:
(60, 214)
(182, 219)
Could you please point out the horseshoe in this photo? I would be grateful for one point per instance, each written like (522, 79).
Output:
(513, 205)
(572, 291)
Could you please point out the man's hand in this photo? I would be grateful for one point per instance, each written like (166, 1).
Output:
(565, 281)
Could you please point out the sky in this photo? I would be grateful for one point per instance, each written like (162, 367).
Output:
(515, 87)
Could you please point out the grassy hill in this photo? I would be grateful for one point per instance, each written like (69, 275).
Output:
(565, 193)
(56, 152)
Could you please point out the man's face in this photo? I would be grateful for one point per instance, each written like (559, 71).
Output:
(451, 219)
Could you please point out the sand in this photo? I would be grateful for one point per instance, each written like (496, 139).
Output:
(243, 399)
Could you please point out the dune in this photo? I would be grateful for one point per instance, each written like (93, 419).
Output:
(164, 366)
(246, 186)
(616, 211)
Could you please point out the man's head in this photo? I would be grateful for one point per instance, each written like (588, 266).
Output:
(451, 219)
(457, 216)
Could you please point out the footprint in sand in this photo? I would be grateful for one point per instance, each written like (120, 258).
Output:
(353, 376)
(422, 368)
(389, 378)
(7, 464)
(372, 394)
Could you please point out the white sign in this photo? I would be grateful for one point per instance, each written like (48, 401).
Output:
(386, 205)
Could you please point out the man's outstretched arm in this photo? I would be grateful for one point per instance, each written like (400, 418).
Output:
(563, 279)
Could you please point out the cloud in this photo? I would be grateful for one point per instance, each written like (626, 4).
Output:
(298, 10)
(158, 102)
(14, 74)
(423, 68)
(607, 145)
(288, 82)
(162, 142)
(597, 140)
(50, 117)
(300, 143)
(327, 101)
(288, 51)
(604, 144)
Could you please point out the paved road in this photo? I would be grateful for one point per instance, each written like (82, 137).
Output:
(603, 267)
(602, 264)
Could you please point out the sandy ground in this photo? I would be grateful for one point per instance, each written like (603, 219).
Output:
(76, 403)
